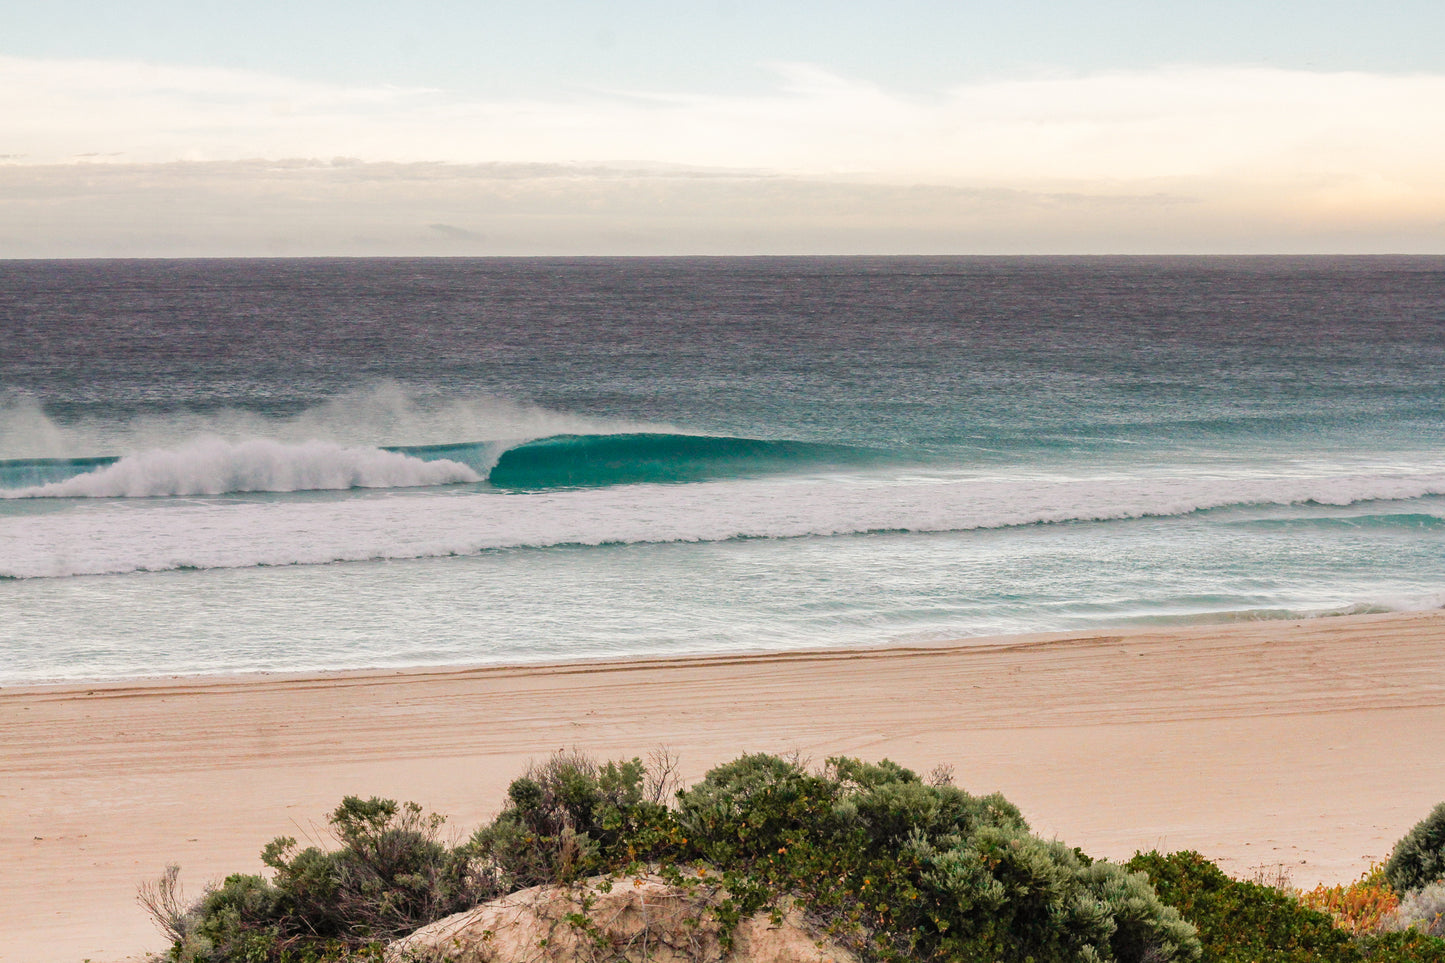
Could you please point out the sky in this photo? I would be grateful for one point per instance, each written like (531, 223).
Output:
(441, 127)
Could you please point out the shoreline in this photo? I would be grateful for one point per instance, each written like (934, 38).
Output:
(1245, 617)
(1305, 743)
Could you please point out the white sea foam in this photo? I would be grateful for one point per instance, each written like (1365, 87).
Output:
(115, 538)
(213, 466)
(1404, 601)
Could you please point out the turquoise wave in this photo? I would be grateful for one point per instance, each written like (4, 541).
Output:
(30, 472)
(593, 461)
(558, 461)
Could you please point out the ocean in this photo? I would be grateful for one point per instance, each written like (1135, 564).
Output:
(218, 466)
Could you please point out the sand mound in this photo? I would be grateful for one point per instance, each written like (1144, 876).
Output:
(638, 918)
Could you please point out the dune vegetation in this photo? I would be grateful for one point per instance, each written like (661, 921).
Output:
(879, 861)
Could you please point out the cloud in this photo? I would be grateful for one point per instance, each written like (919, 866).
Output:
(1174, 158)
(455, 233)
(298, 207)
(1165, 122)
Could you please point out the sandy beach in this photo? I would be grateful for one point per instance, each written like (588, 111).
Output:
(1312, 744)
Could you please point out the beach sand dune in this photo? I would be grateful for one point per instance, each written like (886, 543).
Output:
(1311, 744)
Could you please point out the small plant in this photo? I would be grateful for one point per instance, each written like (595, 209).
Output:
(1274, 875)
(164, 903)
(1419, 857)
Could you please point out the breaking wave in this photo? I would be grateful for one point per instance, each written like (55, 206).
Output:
(215, 466)
(599, 460)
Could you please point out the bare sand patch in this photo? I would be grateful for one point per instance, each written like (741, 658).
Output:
(1313, 744)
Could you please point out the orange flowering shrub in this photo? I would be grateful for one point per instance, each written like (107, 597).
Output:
(1361, 907)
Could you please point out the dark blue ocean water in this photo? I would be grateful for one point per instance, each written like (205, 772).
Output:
(283, 464)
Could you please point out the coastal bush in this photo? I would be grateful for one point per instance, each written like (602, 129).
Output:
(1004, 894)
(1245, 922)
(1405, 946)
(236, 920)
(907, 870)
(1418, 859)
(1241, 922)
(747, 810)
(896, 867)
(889, 803)
(1422, 910)
(568, 818)
(389, 875)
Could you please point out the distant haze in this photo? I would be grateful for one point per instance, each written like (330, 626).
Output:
(448, 128)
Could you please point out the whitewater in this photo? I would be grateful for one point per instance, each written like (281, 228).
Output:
(235, 466)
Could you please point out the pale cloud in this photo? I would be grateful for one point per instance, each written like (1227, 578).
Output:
(1167, 122)
(246, 208)
(1179, 158)
(57, 110)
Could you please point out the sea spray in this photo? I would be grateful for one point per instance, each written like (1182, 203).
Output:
(213, 466)
(381, 415)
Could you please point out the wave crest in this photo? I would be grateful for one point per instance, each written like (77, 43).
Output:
(590, 461)
(213, 466)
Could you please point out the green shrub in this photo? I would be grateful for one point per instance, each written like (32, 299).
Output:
(233, 921)
(1408, 946)
(1243, 922)
(889, 803)
(568, 818)
(1004, 894)
(749, 809)
(1419, 857)
(898, 868)
(390, 875)
(1145, 928)
(911, 871)
(1423, 910)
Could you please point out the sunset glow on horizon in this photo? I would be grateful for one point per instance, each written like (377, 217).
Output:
(116, 147)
